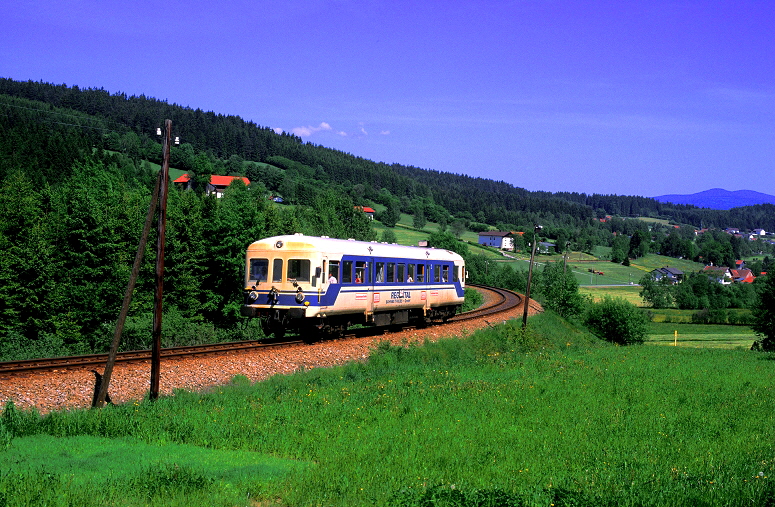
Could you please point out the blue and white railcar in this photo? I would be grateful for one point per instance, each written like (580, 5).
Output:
(306, 283)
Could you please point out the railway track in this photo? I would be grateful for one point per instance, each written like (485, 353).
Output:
(500, 300)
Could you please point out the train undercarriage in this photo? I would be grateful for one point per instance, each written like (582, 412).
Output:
(278, 322)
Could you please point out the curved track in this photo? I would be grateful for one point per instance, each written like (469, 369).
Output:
(497, 300)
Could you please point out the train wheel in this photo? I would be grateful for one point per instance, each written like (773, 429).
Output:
(310, 334)
(273, 329)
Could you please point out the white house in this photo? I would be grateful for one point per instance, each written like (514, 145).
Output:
(498, 239)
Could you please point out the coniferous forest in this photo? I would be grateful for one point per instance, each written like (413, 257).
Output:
(77, 168)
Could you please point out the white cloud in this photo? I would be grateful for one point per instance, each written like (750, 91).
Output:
(278, 130)
(309, 130)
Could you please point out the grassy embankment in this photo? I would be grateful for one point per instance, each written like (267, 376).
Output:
(547, 417)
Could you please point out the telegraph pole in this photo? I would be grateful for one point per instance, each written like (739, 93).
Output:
(536, 229)
(103, 389)
(161, 227)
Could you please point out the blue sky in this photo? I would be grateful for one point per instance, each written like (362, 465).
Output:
(625, 97)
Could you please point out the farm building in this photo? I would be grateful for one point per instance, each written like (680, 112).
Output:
(720, 273)
(216, 186)
(672, 275)
(369, 211)
(498, 239)
(742, 275)
(546, 247)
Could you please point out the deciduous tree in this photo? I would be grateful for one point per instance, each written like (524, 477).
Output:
(764, 313)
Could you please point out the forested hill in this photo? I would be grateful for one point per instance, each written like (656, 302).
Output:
(95, 117)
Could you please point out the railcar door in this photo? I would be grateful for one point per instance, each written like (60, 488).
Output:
(329, 283)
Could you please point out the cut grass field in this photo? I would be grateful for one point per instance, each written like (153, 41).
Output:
(700, 335)
(630, 293)
(547, 416)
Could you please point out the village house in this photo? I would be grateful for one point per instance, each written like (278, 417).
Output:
(672, 275)
(503, 240)
(546, 247)
(742, 275)
(216, 186)
(369, 211)
(720, 273)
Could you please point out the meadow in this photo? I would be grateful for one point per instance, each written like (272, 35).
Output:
(549, 416)
(700, 335)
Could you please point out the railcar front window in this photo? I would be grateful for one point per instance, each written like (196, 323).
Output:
(277, 271)
(259, 269)
(347, 271)
(298, 269)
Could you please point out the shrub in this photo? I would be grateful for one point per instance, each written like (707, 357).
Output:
(616, 320)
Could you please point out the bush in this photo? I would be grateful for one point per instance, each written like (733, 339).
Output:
(616, 320)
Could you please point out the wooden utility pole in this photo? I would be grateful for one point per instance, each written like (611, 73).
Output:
(161, 226)
(530, 276)
(103, 388)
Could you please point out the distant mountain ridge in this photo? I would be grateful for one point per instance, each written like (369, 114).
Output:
(718, 198)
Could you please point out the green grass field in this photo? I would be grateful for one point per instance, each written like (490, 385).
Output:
(546, 417)
(630, 293)
(700, 335)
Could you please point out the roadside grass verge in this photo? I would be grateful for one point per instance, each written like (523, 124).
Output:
(504, 416)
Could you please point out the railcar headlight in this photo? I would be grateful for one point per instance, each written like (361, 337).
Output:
(300, 296)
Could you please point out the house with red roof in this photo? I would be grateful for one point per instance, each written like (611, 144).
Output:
(742, 275)
(216, 186)
(369, 211)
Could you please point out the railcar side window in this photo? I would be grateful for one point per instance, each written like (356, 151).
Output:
(401, 273)
(259, 269)
(298, 269)
(445, 274)
(421, 273)
(380, 274)
(391, 272)
(347, 271)
(277, 271)
(410, 278)
(362, 272)
(333, 272)
(436, 273)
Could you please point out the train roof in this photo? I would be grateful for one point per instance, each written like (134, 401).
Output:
(300, 242)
